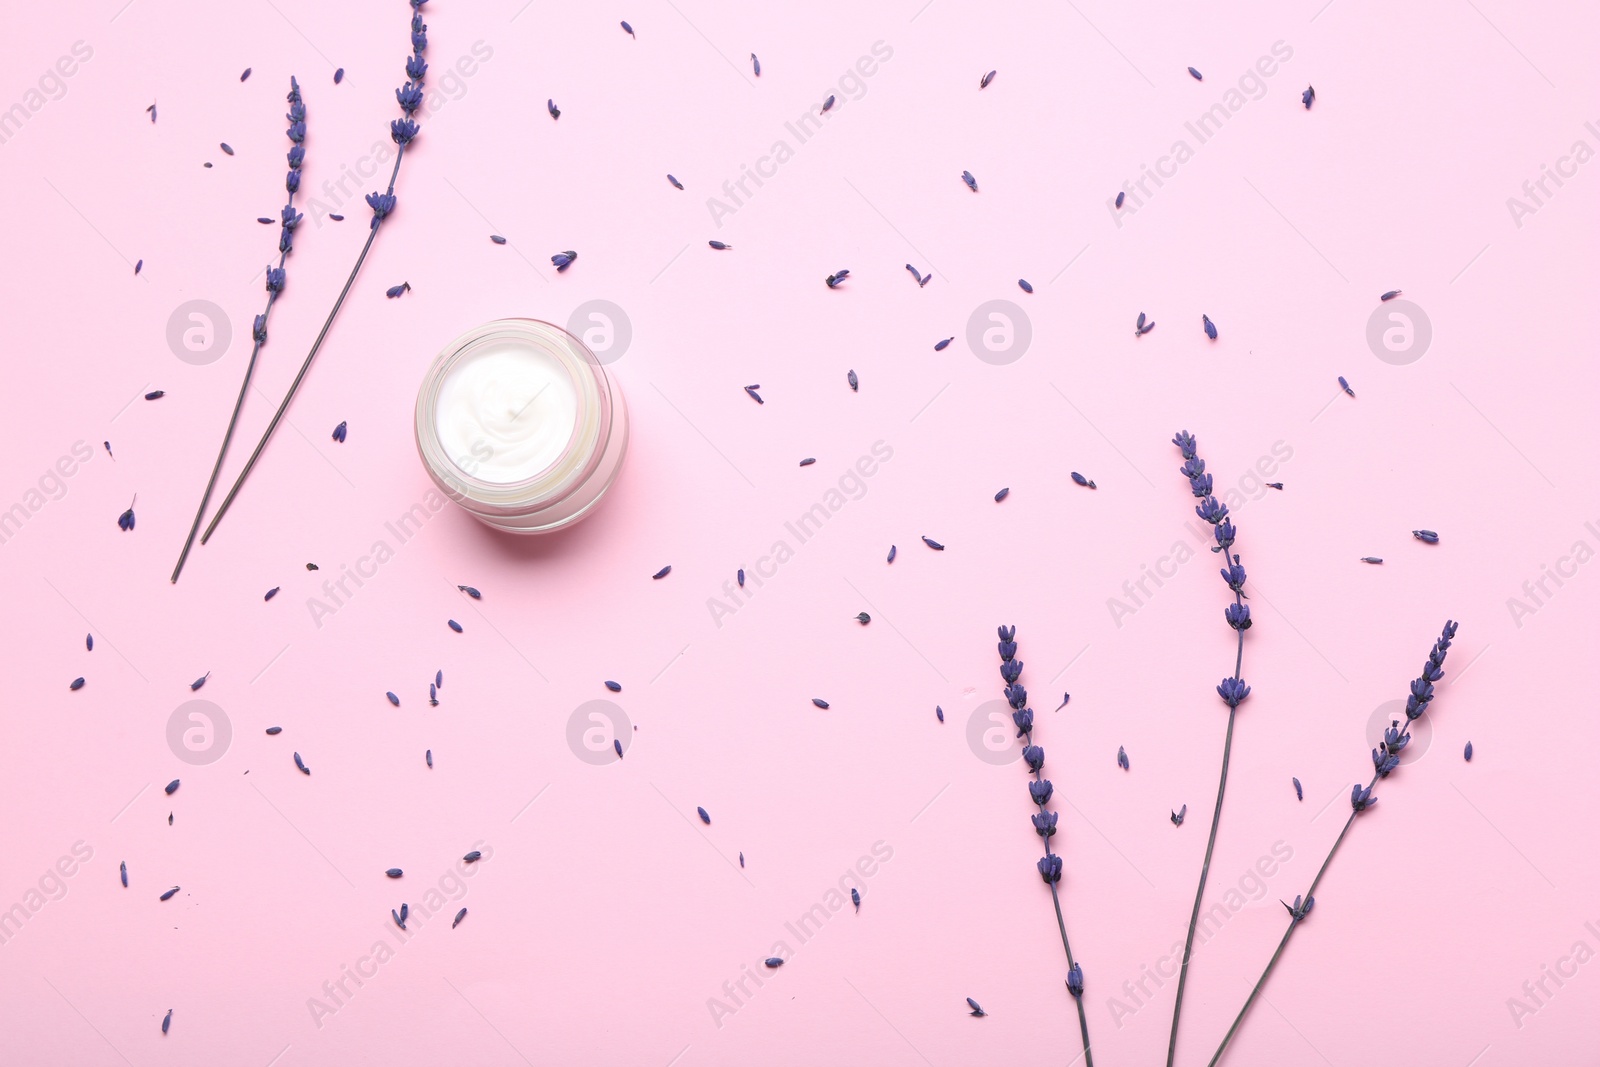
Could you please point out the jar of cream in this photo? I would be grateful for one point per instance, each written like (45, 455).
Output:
(518, 422)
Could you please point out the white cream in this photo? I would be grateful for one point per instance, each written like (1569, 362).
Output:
(506, 413)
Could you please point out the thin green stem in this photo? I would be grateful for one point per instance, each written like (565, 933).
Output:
(294, 386)
(1211, 844)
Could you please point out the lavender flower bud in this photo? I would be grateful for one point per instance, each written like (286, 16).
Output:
(1034, 756)
(1011, 670)
(1394, 740)
(1193, 466)
(292, 182)
(296, 132)
(1234, 575)
(1075, 981)
(1383, 761)
(1211, 510)
(1225, 532)
(1200, 484)
(276, 276)
(259, 330)
(1362, 799)
(1050, 869)
(1044, 824)
(1233, 691)
(1023, 717)
(290, 217)
(1185, 442)
(381, 204)
(1238, 616)
(1008, 649)
(297, 156)
(410, 97)
(1016, 695)
(416, 67)
(402, 131)
(1007, 633)
(1041, 791)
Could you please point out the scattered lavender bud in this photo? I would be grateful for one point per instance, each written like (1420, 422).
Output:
(976, 1010)
(396, 290)
(166, 1021)
(124, 874)
(719, 246)
(663, 572)
(855, 898)
(855, 383)
(942, 345)
(819, 702)
(438, 678)
(1275, 485)
(751, 390)
(939, 712)
(563, 260)
(1066, 698)
(1210, 327)
(972, 183)
(703, 816)
(892, 551)
(615, 687)
(617, 744)
(341, 431)
(1075, 981)
(394, 872)
(273, 731)
(198, 682)
(1306, 97)
(1085, 482)
(152, 110)
(266, 221)
(741, 861)
(338, 76)
(301, 765)
(1177, 816)
(336, 218)
(835, 278)
(774, 962)
(497, 239)
(1299, 794)
(172, 787)
(433, 695)
(627, 29)
(245, 75)
(472, 857)
(555, 112)
(676, 184)
(226, 150)
(931, 543)
(1122, 758)
(827, 105)
(755, 64)
(125, 520)
(1346, 386)
(1121, 196)
(862, 617)
(915, 273)
(139, 266)
(983, 83)
(456, 626)
(1024, 284)
(1371, 559)
(741, 577)
(169, 894)
(808, 461)
(471, 592)
(393, 699)
(88, 642)
(1390, 295)
(462, 914)
(398, 921)
(1002, 494)
(1466, 753)
(1195, 74)
(1426, 535)
(271, 593)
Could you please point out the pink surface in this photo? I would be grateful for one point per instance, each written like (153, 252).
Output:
(604, 917)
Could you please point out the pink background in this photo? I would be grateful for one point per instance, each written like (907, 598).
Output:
(604, 915)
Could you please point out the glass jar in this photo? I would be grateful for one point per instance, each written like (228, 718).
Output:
(558, 484)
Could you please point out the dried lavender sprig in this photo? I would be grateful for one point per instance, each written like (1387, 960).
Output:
(402, 131)
(276, 276)
(1044, 823)
(1233, 690)
(1385, 759)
